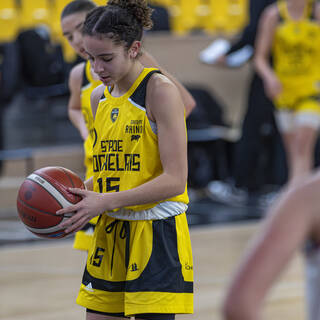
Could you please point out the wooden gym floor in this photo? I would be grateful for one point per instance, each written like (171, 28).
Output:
(40, 280)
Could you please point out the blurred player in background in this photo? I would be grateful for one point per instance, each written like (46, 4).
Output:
(140, 263)
(290, 32)
(82, 81)
(258, 124)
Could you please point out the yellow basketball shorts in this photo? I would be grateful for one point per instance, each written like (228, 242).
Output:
(83, 238)
(136, 267)
(309, 104)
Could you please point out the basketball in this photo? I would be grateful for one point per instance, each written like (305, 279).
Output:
(43, 193)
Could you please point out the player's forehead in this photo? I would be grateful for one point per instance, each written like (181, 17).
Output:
(101, 46)
(70, 22)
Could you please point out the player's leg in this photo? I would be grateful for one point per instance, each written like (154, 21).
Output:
(302, 151)
(155, 316)
(95, 315)
(307, 123)
(285, 124)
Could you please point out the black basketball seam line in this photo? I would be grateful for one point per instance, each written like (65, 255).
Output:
(66, 173)
(47, 190)
(42, 211)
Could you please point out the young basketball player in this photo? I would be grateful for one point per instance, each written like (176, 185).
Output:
(291, 31)
(290, 222)
(140, 263)
(82, 81)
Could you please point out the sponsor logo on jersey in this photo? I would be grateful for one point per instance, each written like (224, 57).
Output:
(135, 137)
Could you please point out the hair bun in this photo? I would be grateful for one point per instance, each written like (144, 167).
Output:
(138, 8)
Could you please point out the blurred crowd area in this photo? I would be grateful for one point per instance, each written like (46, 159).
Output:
(211, 16)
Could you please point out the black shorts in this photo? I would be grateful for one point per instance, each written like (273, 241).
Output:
(147, 316)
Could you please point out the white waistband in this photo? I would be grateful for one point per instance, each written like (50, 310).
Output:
(162, 210)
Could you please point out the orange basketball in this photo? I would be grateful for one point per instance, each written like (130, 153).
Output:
(43, 193)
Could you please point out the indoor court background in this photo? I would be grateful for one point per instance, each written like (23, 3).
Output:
(39, 279)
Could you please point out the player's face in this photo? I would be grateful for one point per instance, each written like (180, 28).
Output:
(110, 61)
(72, 29)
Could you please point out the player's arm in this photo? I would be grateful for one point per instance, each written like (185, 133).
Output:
(266, 30)
(166, 108)
(289, 222)
(95, 97)
(317, 11)
(189, 103)
(74, 104)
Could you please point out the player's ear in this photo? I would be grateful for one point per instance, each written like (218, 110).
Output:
(134, 49)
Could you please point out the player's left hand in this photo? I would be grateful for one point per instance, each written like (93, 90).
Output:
(90, 206)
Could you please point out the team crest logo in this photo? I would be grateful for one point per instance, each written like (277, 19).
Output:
(114, 114)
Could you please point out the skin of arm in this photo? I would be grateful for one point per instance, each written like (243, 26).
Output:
(94, 101)
(293, 218)
(266, 29)
(74, 104)
(189, 103)
(167, 109)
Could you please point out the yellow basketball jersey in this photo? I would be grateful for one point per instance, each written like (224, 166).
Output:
(125, 152)
(88, 84)
(296, 52)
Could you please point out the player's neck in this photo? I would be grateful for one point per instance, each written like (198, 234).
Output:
(296, 8)
(123, 85)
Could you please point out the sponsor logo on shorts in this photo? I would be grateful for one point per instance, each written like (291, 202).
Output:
(188, 267)
(88, 287)
(134, 267)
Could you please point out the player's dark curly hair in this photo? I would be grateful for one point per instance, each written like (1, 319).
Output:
(77, 6)
(123, 21)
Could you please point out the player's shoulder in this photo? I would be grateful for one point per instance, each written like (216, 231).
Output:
(160, 83)
(78, 70)
(271, 13)
(97, 93)
(76, 74)
(317, 11)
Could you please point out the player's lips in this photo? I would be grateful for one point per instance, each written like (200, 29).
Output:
(104, 78)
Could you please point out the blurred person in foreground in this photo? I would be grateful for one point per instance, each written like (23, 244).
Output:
(292, 223)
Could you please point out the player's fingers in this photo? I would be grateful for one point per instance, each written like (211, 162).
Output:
(78, 225)
(70, 209)
(78, 191)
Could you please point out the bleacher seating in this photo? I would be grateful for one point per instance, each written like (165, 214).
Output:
(184, 16)
(32, 13)
(8, 20)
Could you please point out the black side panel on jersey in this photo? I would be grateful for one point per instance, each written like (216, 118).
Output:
(85, 79)
(139, 95)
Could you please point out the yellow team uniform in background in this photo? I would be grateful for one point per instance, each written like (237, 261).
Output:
(296, 56)
(135, 265)
(83, 237)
